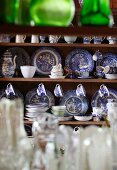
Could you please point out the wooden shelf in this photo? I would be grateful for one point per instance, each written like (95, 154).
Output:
(17, 79)
(60, 45)
(76, 123)
(41, 30)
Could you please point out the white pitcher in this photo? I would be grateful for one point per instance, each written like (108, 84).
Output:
(20, 38)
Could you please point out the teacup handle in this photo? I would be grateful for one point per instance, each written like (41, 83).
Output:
(24, 37)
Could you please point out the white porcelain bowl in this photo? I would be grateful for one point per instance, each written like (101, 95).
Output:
(70, 39)
(28, 71)
(111, 76)
(58, 108)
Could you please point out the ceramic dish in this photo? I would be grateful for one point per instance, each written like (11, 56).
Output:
(44, 58)
(97, 101)
(33, 98)
(83, 118)
(57, 77)
(109, 59)
(111, 76)
(75, 105)
(79, 60)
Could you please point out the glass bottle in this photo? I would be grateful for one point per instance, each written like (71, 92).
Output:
(9, 10)
(96, 12)
(22, 16)
(52, 12)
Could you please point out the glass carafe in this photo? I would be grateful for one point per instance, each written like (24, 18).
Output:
(52, 12)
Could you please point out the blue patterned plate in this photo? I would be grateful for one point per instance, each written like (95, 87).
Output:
(75, 105)
(97, 101)
(79, 60)
(33, 98)
(44, 58)
(109, 59)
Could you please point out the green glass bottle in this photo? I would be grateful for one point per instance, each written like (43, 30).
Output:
(7, 11)
(22, 15)
(96, 12)
(52, 12)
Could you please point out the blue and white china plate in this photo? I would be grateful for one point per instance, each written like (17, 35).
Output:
(33, 98)
(109, 59)
(22, 58)
(79, 60)
(74, 105)
(97, 101)
(44, 58)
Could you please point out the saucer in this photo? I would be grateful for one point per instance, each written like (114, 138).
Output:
(84, 77)
(83, 118)
(57, 77)
(111, 76)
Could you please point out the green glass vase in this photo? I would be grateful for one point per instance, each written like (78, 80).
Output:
(96, 12)
(52, 12)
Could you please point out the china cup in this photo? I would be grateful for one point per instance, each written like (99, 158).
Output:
(70, 39)
(28, 71)
(112, 40)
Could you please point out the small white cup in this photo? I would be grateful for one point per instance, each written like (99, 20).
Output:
(70, 39)
(34, 39)
(28, 71)
(20, 38)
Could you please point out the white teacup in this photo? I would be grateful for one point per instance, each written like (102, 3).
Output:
(34, 39)
(70, 39)
(112, 40)
(28, 71)
(53, 38)
(20, 38)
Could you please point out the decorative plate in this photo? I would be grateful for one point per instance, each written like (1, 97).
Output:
(75, 105)
(79, 60)
(109, 59)
(22, 56)
(33, 98)
(97, 101)
(44, 58)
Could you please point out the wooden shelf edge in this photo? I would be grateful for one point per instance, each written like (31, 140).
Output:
(99, 123)
(41, 30)
(59, 45)
(67, 80)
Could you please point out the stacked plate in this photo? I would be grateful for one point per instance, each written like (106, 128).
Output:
(33, 110)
